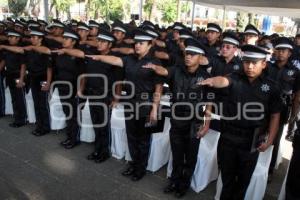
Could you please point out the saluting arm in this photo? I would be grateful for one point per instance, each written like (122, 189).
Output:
(215, 82)
(56, 38)
(123, 50)
(161, 55)
(72, 52)
(159, 70)
(112, 60)
(92, 43)
(39, 49)
(14, 49)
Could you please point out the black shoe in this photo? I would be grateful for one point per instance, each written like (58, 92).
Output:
(170, 188)
(65, 142)
(180, 192)
(16, 125)
(136, 176)
(71, 145)
(41, 133)
(92, 156)
(129, 171)
(102, 157)
(36, 131)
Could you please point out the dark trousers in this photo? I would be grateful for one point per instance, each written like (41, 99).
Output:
(41, 105)
(2, 96)
(276, 144)
(184, 148)
(236, 165)
(138, 138)
(100, 118)
(293, 177)
(18, 101)
(70, 110)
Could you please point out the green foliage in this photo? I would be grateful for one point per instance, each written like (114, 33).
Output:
(17, 6)
(106, 9)
(115, 9)
(148, 7)
(63, 5)
(185, 7)
(169, 10)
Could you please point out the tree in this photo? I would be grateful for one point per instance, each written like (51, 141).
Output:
(169, 10)
(115, 9)
(148, 8)
(17, 7)
(63, 6)
(105, 9)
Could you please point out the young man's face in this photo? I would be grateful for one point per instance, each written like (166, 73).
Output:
(192, 60)
(228, 50)
(212, 36)
(254, 68)
(282, 55)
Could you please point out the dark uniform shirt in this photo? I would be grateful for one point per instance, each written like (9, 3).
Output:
(213, 50)
(221, 68)
(37, 64)
(143, 79)
(184, 88)
(68, 68)
(13, 62)
(284, 76)
(52, 44)
(96, 85)
(261, 96)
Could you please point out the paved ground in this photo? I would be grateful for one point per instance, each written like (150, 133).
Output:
(39, 168)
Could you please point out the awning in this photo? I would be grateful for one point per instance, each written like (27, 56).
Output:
(285, 8)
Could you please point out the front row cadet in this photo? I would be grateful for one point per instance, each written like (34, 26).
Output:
(40, 75)
(14, 68)
(293, 177)
(187, 120)
(141, 107)
(95, 87)
(251, 110)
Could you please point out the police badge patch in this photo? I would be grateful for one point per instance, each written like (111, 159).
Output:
(290, 73)
(236, 67)
(265, 87)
